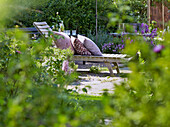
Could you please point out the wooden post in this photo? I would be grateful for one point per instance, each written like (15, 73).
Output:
(163, 15)
(96, 22)
(149, 12)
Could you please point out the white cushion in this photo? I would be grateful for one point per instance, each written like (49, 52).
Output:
(64, 42)
(90, 45)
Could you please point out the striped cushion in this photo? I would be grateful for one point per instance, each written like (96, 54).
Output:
(79, 48)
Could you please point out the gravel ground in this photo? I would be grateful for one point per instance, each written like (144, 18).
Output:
(96, 84)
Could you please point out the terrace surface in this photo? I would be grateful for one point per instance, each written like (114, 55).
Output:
(97, 84)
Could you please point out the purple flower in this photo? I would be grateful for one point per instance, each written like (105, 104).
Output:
(142, 31)
(154, 31)
(153, 36)
(122, 40)
(123, 33)
(131, 41)
(114, 50)
(158, 48)
(142, 25)
(152, 43)
(146, 28)
(149, 35)
(144, 38)
(119, 45)
(18, 52)
(136, 31)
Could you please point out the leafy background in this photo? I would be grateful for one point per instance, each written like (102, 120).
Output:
(32, 83)
(76, 14)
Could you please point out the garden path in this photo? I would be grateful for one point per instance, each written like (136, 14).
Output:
(96, 84)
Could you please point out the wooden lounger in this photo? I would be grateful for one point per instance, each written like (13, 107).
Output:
(44, 28)
(106, 58)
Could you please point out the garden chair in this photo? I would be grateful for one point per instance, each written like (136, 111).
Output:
(44, 29)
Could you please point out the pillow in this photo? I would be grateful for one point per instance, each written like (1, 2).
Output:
(79, 47)
(72, 40)
(64, 41)
(90, 45)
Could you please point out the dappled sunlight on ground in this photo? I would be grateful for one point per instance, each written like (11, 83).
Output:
(96, 84)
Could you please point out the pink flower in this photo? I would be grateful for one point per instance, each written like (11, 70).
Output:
(65, 66)
(18, 52)
(158, 48)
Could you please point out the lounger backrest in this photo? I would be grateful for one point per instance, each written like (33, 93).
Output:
(42, 27)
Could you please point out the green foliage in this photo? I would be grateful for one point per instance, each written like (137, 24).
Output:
(144, 99)
(102, 38)
(78, 14)
(84, 90)
(138, 10)
(95, 69)
(128, 11)
(32, 90)
(33, 87)
(11, 10)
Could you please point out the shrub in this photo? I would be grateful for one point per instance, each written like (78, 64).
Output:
(33, 86)
(115, 47)
(102, 38)
(95, 69)
(144, 99)
(78, 14)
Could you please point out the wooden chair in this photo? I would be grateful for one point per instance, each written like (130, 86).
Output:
(44, 29)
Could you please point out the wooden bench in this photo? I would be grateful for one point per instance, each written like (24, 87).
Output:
(44, 29)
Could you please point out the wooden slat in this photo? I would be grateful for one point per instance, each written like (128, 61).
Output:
(44, 30)
(46, 35)
(123, 55)
(44, 27)
(119, 55)
(115, 55)
(40, 23)
(105, 58)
